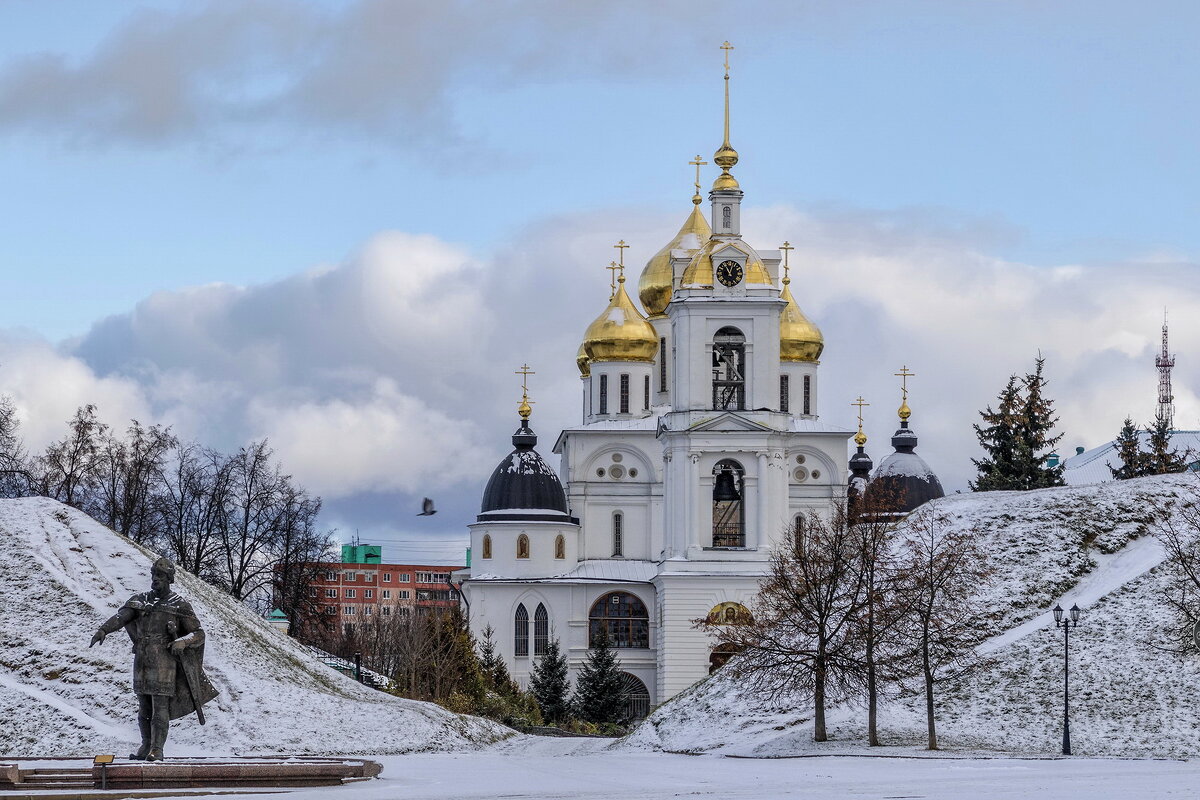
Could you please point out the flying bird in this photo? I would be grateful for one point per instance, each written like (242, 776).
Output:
(427, 509)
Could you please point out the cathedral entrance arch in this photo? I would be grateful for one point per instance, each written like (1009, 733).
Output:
(637, 697)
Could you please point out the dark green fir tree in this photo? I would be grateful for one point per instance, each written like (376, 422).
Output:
(997, 436)
(1161, 458)
(1129, 450)
(1035, 434)
(599, 689)
(549, 684)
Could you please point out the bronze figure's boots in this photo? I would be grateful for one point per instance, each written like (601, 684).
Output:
(158, 737)
(144, 726)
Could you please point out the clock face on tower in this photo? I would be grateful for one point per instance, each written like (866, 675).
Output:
(729, 273)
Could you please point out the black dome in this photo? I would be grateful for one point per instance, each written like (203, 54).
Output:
(524, 487)
(903, 480)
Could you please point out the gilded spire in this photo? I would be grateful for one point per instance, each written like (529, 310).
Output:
(787, 248)
(904, 412)
(726, 157)
(860, 438)
(526, 406)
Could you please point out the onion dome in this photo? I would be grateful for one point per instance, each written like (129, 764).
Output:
(621, 333)
(799, 338)
(523, 487)
(903, 480)
(699, 271)
(657, 281)
(583, 362)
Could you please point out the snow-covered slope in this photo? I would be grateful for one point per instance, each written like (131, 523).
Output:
(1090, 545)
(62, 574)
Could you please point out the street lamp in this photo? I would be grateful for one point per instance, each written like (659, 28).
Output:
(1066, 625)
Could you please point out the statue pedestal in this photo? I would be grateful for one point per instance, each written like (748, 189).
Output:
(186, 773)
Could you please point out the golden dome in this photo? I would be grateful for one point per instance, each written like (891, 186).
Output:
(700, 270)
(799, 338)
(583, 362)
(621, 333)
(657, 281)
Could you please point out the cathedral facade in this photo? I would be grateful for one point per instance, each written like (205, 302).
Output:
(698, 447)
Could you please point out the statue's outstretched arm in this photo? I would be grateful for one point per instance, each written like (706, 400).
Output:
(117, 621)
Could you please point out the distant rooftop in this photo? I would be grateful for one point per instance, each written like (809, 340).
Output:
(1091, 466)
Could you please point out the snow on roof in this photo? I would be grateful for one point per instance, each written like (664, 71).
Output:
(604, 571)
(1091, 466)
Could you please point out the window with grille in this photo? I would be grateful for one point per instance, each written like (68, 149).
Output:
(783, 392)
(603, 394)
(807, 394)
(624, 394)
(646, 394)
(623, 617)
(618, 533)
(521, 631)
(541, 630)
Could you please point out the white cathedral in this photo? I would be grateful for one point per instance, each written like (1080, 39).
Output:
(699, 445)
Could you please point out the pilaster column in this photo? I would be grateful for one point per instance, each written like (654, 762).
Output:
(763, 536)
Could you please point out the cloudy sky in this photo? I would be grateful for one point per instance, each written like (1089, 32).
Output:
(342, 225)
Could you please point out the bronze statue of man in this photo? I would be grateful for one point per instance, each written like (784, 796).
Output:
(168, 654)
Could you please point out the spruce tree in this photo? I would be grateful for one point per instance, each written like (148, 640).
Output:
(998, 437)
(1162, 458)
(549, 685)
(1129, 450)
(1035, 427)
(599, 690)
(491, 663)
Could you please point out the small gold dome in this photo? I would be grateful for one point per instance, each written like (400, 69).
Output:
(621, 333)
(799, 338)
(657, 281)
(700, 271)
(726, 157)
(724, 182)
(583, 362)
(904, 412)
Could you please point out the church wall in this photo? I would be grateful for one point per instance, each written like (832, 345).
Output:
(541, 561)
(606, 379)
(796, 372)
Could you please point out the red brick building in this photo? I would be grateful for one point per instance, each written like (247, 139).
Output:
(359, 588)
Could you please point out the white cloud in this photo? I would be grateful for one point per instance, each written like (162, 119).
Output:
(393, 372)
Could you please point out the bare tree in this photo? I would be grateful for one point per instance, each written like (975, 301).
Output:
(251, 520)
(191, 508)
(803, 636)
(15, 477)
(941, 570)
(67, 470)
(297, 553)
(129, 473)
(1179, 532)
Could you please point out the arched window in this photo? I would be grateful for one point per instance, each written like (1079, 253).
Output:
(729, 369)
(729, 508)
(623, 617)
(560, 547)
(726, 216)
(522, 546)
(618, 530)
(541, 630)
(487, 546)
(521, 631)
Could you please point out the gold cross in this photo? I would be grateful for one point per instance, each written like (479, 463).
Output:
(904, 374)
(613, 267)
(621, 248)
(726, 47)
(698, 164)
(786, 247)
(860, 403)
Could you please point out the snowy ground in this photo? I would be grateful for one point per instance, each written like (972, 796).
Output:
(588, 770)
(62, 574)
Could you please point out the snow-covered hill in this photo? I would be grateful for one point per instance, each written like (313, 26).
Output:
(62, 574)
(1090, 545)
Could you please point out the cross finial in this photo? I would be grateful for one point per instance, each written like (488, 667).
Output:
(904, 411)
(786, 247)
(526, 407)
(612, 274)
(696, 198)
(726, 46)
(621, 248)
(860, 438)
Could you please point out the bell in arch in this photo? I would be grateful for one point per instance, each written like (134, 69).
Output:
(725, 489)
